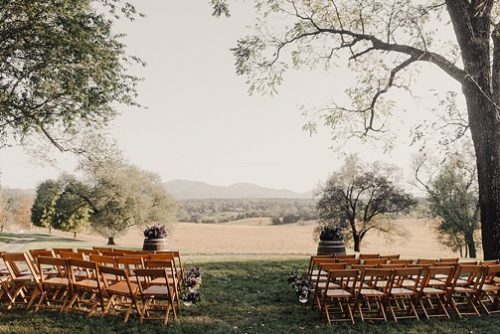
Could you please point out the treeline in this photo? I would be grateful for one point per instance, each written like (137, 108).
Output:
(213, 211)
(15, 208)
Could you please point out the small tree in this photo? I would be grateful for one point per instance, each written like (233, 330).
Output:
(122, 196)
(72, 211)
(356, 196)
(44, 207)
(453, 196)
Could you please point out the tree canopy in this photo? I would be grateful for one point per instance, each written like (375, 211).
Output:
(62, 68)
(358, 195)
(122, 196)
(453, 197)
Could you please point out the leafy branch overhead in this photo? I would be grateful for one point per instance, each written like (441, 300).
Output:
(382, 41)
(62, 68)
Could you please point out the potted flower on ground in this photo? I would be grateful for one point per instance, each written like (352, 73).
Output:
(155, 238)
(331, 241)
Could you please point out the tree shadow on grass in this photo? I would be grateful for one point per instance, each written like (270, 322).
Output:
(9, 237)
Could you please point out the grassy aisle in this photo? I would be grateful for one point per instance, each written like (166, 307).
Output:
(238, 297)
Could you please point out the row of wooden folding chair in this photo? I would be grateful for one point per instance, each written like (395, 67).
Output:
(373, 291)
(63, 282)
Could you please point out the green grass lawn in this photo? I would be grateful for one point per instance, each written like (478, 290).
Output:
(238, 297)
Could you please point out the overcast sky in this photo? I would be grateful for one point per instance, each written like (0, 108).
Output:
(201, 124)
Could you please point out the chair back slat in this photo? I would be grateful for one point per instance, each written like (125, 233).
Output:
(369, 256)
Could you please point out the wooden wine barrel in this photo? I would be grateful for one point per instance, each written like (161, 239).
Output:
(155, 244)
(331, 247)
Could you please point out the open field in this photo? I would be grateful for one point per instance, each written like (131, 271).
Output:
(251, 238)
(238, 297)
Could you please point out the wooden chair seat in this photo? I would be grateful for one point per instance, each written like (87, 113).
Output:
(161, 280)
(24, 278)
(490, 287)
(402, 292)
(434, 291)
(464, 289)
(155, 290)
(63, 281)
(121, 288)
(371, 293)
(86, 283)
(338, 293)
(436, 282)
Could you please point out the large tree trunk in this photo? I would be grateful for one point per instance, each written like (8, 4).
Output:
(484, 122)
(357, 242)
(111, 241)
(471, 244)
(485, 130)
(481, 87)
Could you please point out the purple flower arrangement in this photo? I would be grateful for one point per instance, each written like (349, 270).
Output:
(301, 286)
(155, 232)
(192, 281)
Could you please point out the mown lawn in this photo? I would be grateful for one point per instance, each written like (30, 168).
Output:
(238, 297)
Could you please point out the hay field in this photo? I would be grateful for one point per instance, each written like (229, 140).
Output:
(256, 239)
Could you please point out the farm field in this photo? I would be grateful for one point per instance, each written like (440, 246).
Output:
(248, 239)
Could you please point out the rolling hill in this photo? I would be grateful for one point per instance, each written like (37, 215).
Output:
(184, 189)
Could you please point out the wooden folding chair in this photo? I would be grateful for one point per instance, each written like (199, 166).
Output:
(372, 295)
(54, 288)
(390, 257)
(314, 263)
(71, 255)
(319, 284)
(403, 293)
(122, 293)
(369, 256)
(35, 253)
(130, 264)
(489, 296)
(23, 287)
(168, 265)
(465, 288)
(57, 251)
(169, 256)
(427, 261)
(105, 260)
(87, 289)
(432, 292)
(337, 296)
(155, 297)
(87, 252)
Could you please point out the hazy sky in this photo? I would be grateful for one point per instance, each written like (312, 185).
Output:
(202, 125)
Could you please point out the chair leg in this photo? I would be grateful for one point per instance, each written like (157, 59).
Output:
(424, 309)
(351, 315)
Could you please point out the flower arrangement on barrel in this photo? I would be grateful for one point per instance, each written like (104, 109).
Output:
(300, 284)
(192, 281)
(155, 237)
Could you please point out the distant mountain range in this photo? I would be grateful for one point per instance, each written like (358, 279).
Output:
(184, 189)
